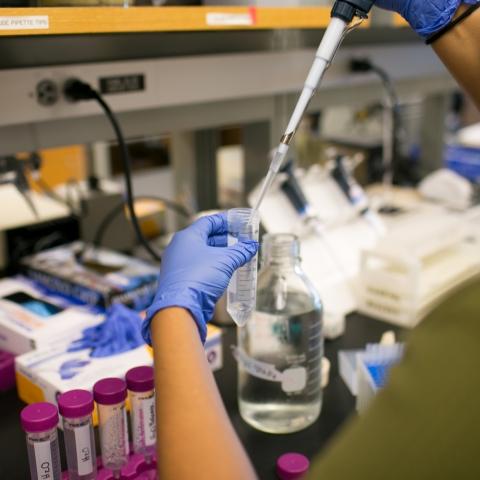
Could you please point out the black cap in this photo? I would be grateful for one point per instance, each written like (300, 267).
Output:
(347, 9)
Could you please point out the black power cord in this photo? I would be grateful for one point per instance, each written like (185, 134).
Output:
(364, 65)
(76, 90)
(118, 209)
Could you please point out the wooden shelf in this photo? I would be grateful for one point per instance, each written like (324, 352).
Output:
(91, 20)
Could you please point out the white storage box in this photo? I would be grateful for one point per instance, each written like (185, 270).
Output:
(410, 271)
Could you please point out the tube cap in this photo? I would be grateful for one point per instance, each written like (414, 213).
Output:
(39, 417)
(110, 391)
(292, 466)
(75, 403)
(140, 379)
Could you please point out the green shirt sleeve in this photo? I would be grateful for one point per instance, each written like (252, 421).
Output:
(425, 424)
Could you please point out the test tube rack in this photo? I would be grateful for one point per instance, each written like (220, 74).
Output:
(136, 469)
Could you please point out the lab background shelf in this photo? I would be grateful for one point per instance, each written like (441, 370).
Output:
(93, 20)
(90, 20)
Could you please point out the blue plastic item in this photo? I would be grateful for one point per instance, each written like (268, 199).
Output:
(463, 160)
(196, 269)
(425, 16)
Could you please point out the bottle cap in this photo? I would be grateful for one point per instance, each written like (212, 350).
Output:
(110, 391)
(75, 403)
(140, 379)
(292, 466)
(39, 417)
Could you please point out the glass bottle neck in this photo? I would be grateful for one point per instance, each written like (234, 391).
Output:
(281, 252)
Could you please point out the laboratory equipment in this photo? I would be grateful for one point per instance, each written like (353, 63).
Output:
(76, 408)
(373, 367)
(39, 421)
(343, 12)
(421, 260)
(447, 188)
(292, 466)
(243, 224)
(110, 395)
(279, 352)
(141, 393)
(355, 193)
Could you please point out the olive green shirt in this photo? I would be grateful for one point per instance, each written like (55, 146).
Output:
(425, 424)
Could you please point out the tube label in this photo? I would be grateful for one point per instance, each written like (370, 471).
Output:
(84, 450)
(43, 460)
(148, 407)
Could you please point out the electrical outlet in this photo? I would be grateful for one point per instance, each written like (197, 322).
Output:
(47, 93)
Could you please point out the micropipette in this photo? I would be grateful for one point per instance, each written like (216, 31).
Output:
(343, 12)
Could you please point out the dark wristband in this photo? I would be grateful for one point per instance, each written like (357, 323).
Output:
(435, 36)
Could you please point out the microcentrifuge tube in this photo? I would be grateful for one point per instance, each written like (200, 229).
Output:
(76, 407)
(39, 421)
(110, 395)
(243, 224)
(141, 392)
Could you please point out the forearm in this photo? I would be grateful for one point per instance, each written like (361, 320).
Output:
(194, 435)
(459, 50)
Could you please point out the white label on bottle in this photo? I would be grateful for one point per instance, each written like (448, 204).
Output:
(148, 407)
(265, 371)
(43, 460)
(28, 22)
(83, 447)
(293, 379)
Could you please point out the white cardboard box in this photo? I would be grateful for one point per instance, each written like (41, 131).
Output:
(43, 374)
(31, 318)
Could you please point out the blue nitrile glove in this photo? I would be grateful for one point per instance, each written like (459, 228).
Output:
(196, 269)
(118, 333)
(425, 16)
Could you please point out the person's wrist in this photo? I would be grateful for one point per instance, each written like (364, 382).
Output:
(183, 297)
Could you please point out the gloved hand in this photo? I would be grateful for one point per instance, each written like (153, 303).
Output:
(196, 269)
(425, 16)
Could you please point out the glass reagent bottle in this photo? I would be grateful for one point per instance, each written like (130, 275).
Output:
(280, 349)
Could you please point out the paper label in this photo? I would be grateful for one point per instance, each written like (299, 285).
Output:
(216, 19)
(43, 460)
(84, 450)
(29, 22)
(293, 379)
(125, 431)
(148, 407)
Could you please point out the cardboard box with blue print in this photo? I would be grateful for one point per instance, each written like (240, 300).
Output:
(95, 276)
(43, 374)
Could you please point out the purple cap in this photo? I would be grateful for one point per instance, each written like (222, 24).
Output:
(292, 466)
(110, 391)
(140, 379)
(39, 417)
(75, 403)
